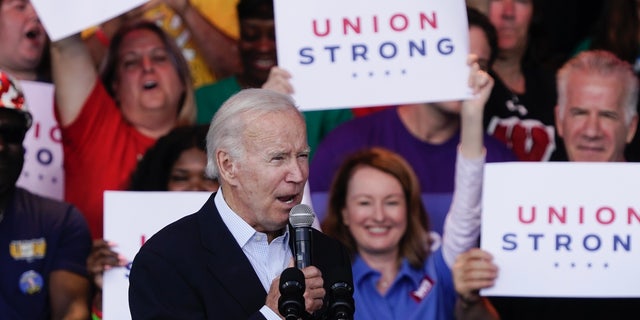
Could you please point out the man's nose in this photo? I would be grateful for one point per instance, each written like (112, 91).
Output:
(265, 44)
(592, 127)
(296, 171)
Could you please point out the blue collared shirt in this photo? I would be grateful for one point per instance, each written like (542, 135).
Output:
(425, 294)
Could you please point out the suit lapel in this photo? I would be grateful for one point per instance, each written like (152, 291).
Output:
(227, 262)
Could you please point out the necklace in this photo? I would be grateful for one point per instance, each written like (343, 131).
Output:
(384, 284)
(514, 104)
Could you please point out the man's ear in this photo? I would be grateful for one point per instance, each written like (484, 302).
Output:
(633, 126)
(226, 166)
(559, 128)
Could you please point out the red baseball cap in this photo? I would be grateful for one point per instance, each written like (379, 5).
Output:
(12, 97)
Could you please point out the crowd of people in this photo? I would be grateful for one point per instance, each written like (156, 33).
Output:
(187, 95)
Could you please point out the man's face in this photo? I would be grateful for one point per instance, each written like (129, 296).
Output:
(593, 122)
(22, 36)
(258, 48)
(269, 178)
(12, 131)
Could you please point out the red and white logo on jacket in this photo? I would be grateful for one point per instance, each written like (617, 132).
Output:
(529, 139)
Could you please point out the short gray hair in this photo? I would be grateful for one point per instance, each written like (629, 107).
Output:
(231, 120)
(605, 64)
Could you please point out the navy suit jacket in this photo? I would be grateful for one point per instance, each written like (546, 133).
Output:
(194, 269)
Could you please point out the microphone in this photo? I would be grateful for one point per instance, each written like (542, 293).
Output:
(341, 304)
(301, 218)
(291, 301)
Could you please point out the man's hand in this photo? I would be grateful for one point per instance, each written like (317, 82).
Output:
(314, 289)
(273, 295)
(472, 271)
(313, 294)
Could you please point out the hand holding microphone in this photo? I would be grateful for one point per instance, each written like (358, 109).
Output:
(301, 218)
(301, 292)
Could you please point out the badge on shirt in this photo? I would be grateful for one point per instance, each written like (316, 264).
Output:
(423, 289)
(31, 282)
(28, 249)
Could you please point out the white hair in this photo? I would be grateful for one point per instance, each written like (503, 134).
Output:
(604, 64)
(235, 115)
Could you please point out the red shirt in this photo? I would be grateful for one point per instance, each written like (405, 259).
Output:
(101, 149)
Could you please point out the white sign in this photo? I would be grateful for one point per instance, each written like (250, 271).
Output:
(62, 18)
(130, 218)
(43, 171)
(373, 52)
(563, 229)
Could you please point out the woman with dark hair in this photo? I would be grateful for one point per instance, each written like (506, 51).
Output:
(520, 109)
(109, 120)
(175, 163)
(375, 210)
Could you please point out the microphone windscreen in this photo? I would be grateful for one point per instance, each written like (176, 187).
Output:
(291, 281)
(340, 279)
(341, 303)
(291, 301)
(301, 216)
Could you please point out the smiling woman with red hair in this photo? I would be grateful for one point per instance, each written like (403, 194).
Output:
(376, 211)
